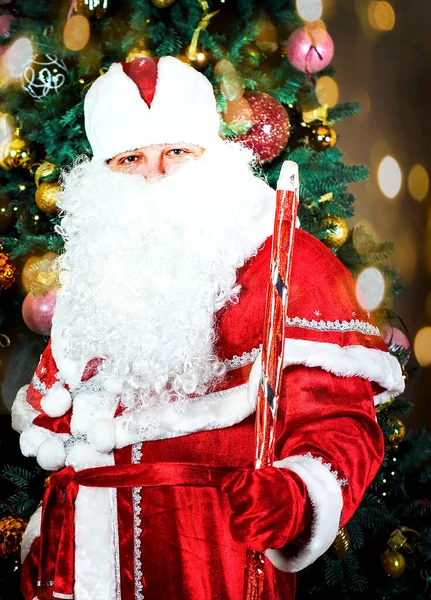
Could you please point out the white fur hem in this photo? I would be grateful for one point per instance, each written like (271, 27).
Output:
(214, 411)
(368, 363)
(325, 495)
(32, 532)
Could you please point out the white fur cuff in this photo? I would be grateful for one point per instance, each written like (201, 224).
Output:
(32, 532)
(22, 413)
(325, 494)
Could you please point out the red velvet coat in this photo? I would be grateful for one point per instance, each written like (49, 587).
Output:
(139, 531)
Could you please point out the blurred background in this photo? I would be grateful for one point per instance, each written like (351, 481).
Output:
(383, 60)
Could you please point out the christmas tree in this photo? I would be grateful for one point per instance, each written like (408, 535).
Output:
(270, 65)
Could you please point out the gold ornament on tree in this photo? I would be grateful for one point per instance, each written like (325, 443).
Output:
(17, 153)
(11, 531)
(398, 434)
(266, 38)
(341, 544)
(194, 55)
(337, 232)
(38, 276)
(392, 561)
(46, 192)
(321, 137)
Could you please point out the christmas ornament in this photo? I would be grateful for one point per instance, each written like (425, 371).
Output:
(91, 8)
(37, 311)
(44, 75)
(395, 340)
(393, 563)
(266, 38)
(8, 272)
(231, 87)
(11, 531)
(162, 3)
(196, 57)
(16, 154)
(338, 232)
(38, 277)
(381, 407)
(341, 544)
(270, 130)
(76, 33)
(46, 196)
(5, 216)
(321, 137)
(320, 113)
(398, 434)
(309, 49)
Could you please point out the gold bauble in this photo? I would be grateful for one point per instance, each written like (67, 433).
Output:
(335, 237)
(17, 154)
(46, 196)
(162, 3)
(196, 57)
(398, 435)
(266, 38)
(11, 532)
(44, 170)
(341, 544)
(91, 8)
(393, 563)
(322, 137)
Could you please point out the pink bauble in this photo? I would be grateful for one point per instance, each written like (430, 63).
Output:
(5, 21)
(310, 50)
(270, 126)
(395, 338)
(37, 312)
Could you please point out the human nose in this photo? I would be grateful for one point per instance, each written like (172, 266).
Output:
(151, 167)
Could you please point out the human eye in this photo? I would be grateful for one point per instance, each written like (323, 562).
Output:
(176, 152)
(129, 159)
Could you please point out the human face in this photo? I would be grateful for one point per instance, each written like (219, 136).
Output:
(154, 161)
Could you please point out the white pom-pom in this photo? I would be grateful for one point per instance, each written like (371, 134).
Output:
(22, 413)
(56, 401)
(51, 455)
(101, 435)
(31, 439)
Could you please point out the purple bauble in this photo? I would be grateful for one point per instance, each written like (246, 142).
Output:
(395, 338)
(310, 50)
(37, 312)
(5, 21)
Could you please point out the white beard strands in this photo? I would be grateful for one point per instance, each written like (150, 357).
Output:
(148, 264)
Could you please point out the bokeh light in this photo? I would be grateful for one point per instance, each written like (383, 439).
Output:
(406, 255)
(309, 10)
(428, 307)
(327, 91)
(422, 346)
(381, 16)
(18, 57)
(76, 32)
(389, 177)
(418, 182)
(370, 288)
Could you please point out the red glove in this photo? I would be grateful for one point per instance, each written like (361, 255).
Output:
(269, 506)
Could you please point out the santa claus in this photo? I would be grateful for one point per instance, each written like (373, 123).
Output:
(143, 402)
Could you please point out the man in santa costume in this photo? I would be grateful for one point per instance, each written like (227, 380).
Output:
(143, 402)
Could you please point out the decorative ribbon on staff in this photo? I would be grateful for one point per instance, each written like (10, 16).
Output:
(273, 346)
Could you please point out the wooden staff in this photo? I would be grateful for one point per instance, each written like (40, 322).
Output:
(273, 346)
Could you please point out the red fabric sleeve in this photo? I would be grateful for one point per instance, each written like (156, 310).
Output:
(332, 418)
(43, 379)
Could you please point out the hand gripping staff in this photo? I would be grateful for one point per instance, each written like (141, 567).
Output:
(273, 346)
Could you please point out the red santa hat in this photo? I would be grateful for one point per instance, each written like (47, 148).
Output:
(150, 101)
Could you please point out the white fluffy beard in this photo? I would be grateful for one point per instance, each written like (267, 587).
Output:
(148, 264)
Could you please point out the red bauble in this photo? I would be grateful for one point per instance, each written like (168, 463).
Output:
(396, 339)
(270, 130)
(37, 312)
